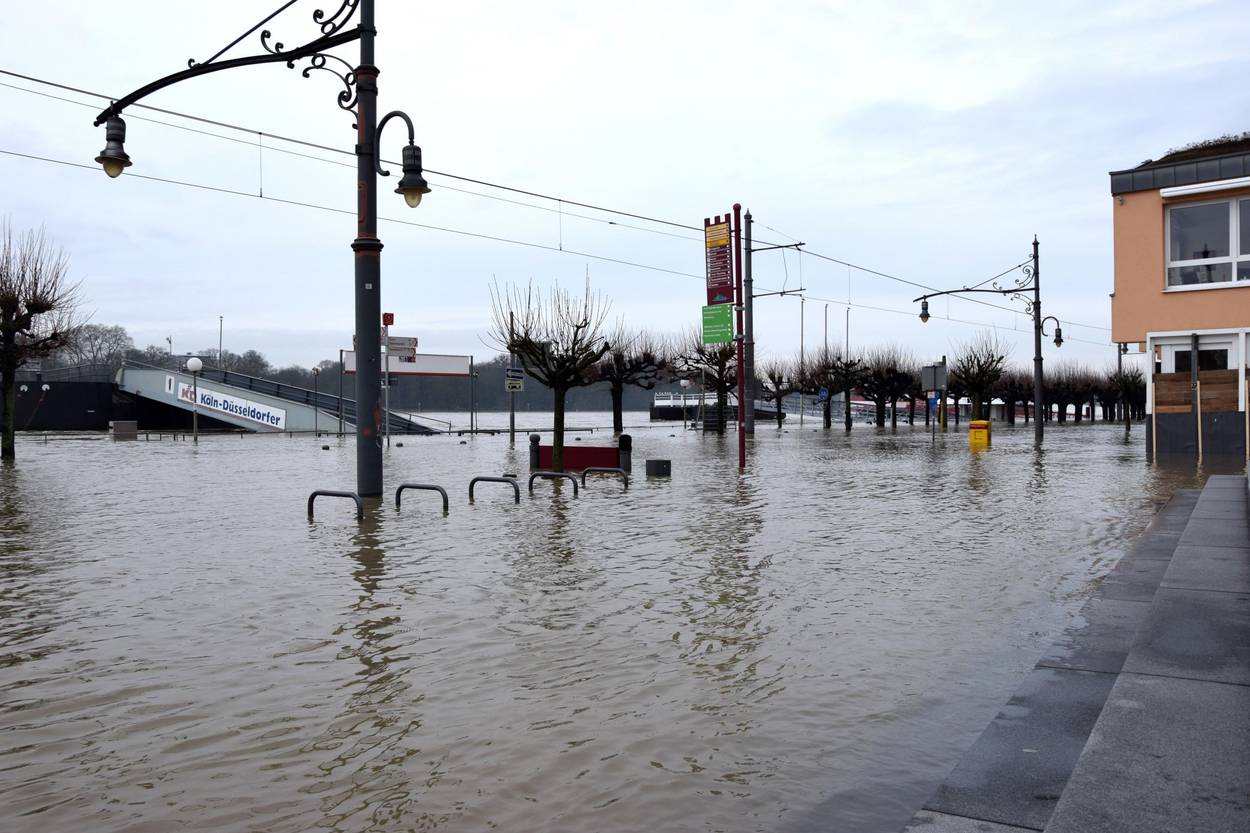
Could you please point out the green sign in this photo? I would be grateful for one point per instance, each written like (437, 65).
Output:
(718, 324)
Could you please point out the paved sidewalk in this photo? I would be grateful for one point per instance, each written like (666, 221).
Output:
(1138, 720)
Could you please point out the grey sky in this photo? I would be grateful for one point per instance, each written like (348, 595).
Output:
(925, 140)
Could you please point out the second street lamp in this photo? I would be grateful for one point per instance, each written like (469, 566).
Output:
(358, 96)
(1031, 282)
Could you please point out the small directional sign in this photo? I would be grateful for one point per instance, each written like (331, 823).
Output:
(718, 324)
(514, 373)
(514, 385)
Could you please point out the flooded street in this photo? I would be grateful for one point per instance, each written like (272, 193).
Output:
(808, 647)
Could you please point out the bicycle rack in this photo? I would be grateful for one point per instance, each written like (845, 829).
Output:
(606, 470)
(425, 487)
(511, 482)
(360, 504)
(553, 475)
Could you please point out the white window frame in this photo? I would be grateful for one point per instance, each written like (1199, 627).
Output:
(1234, 251)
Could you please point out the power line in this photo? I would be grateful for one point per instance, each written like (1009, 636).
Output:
(561, 202)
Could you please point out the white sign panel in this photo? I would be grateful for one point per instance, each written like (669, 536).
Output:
(424, 364)
(211, 400)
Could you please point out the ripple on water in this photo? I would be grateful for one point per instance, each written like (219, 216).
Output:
(810, 645)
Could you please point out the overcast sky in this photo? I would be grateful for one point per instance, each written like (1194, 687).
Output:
(930, 141)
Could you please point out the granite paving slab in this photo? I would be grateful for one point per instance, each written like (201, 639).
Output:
(1216, 533)
(1197, 634)
(1016, 770)
(1102, 643)
(1225, 569)
(1166, 755)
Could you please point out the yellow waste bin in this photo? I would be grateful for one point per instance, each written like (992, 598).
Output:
(978, 433)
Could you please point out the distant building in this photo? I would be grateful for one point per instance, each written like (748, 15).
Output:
(1182, 291)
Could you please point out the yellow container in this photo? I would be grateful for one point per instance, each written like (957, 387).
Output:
(979, 433)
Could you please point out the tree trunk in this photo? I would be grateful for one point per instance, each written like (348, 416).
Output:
(618, 420)
(848, 409)
(1025, 403)
(722, 403)
(975, 398)
(926, 411)
(8, 391)
(911, 410)
(893, 413)
(780, 414)
(828, 412)
(557, 429)
(880, 403)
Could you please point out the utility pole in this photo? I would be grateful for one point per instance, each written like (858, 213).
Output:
(802, 360)
(341, 369)
(826, 328)
(221, 323)
(512, 394)
(748, 300)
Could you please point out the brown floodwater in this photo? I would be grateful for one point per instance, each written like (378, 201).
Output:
(808, 647)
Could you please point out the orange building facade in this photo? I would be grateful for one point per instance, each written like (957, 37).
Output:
(1182, 292)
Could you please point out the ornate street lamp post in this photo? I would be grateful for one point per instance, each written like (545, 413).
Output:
(359, 95)
(1030, 282)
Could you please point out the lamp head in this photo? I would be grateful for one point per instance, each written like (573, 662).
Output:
(113, 158)
(45, 387)
(1058, 336)
(194, 365)
(412, 186)
(924, 312)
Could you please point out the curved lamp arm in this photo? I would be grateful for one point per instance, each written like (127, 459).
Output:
(1049, 318)
(377, 138)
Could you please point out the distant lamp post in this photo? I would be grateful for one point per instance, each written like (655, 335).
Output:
(353, 21)
(194, 366)
(1030, 282)
(316, 371)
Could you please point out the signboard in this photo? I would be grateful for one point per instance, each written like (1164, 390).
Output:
(718, 255)
(224, 403)
(418, 364)
(388, 319)
(395, 343)
(933, 377)
(514, 385)
(718, 324)
(514, 373)
(824, 394)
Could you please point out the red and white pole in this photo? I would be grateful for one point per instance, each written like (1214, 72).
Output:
(740, 338)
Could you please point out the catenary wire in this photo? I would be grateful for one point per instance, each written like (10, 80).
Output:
(559, 200)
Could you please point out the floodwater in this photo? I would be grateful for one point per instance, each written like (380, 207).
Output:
(808, 647)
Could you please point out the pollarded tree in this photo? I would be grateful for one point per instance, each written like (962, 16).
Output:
(1014, 386)
(837, 373)
(715, 364)
(38, 304)
(1130, 384)
(780, 380)
(979, 363)
(558, 339)
(886, 380)
(635, 358)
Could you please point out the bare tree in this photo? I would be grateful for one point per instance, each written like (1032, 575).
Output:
(98, 344)
(635, 358)
(780, 380)
(979, 363)
(558, 338)
(836, 373)
(886, 380)
(715, 363)
(38, 305)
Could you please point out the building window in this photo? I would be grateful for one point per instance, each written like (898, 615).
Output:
(1208, 243)
(1207, 360)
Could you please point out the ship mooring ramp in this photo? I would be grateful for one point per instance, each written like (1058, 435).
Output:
(249, 402)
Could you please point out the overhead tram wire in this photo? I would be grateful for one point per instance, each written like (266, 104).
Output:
(558, 200)
(491, 237)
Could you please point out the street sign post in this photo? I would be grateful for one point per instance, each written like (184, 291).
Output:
(718, 324)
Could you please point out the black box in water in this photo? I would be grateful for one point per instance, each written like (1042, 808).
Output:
(659, 468)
